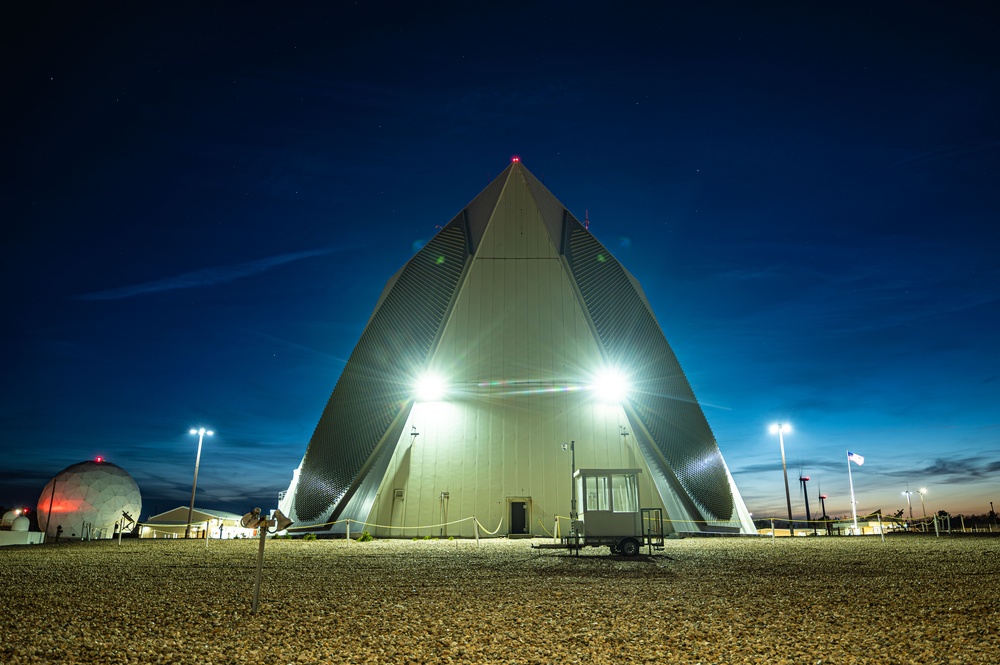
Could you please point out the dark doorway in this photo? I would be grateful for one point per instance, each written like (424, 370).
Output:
(518, 517)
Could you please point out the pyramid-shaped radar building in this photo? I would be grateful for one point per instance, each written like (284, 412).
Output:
(494, 345)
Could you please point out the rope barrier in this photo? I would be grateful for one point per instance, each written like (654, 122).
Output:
(678, 524)
(489, 533)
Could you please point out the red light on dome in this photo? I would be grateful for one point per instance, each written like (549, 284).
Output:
(99, 459)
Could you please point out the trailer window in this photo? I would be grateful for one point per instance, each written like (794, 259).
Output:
(625, 494)
(597, 496)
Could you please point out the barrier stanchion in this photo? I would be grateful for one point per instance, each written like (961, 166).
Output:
(772, 531)
(348, 531)
(937, 533)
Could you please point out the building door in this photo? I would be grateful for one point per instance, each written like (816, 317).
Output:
(518, 517)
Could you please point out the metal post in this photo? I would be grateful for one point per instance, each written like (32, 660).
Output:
(854, 509)
(805, 495)
(260, 565)
(201, 432)
(826, 524)
(52, 497)
(784, 470)
(572, 479)
(937, 533)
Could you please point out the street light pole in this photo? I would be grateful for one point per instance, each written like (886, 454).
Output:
(908, 504)
(922, 492)
(805, 494)
(780, 429)
(201, 432)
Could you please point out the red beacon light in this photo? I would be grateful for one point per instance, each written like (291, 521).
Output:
(515, 158)
(99, 459)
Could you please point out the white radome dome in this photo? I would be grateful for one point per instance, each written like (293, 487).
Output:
(88, 500)
(9, 517)
(20, 523)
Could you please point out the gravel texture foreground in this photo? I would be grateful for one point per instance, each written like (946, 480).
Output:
(915, 599)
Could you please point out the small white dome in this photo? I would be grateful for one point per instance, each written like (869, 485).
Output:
(20, 524)
(9, 517)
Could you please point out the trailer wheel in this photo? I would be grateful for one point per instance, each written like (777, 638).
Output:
(629, 547)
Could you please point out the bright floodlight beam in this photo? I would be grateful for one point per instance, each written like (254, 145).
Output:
(611, 385)
(201, 432)
(429, 387)
(780, 429)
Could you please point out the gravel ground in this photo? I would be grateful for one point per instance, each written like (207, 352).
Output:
(915, 599)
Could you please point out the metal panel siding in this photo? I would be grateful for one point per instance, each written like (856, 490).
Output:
(514, 331)
(662, 397)
(480, 209)
(551, 210)
(376, 382)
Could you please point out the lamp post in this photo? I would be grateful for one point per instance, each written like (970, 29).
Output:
(805, 494)
(201, 432)
(781, 428)
(571, 447)
(922, 491)
(907, 493)
(826, 522)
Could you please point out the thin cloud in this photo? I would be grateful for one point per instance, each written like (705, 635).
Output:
(951, 152)
(205, 277)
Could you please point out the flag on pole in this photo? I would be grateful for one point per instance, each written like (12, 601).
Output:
(854, 457)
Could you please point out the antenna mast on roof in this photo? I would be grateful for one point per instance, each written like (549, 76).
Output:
(586, 219)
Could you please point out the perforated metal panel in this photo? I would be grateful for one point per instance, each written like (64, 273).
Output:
(661, 397)
(378, 379)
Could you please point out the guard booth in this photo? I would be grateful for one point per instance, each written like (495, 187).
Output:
(611, 515)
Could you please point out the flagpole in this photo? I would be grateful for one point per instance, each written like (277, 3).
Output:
(850, 479)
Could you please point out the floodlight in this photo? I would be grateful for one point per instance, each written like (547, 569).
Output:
(429, 387)
(610, 385)
(281, 521)
(251, 519)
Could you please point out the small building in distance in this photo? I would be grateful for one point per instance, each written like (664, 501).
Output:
(213, 523)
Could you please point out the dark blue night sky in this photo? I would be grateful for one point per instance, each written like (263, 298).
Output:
(202, 206)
